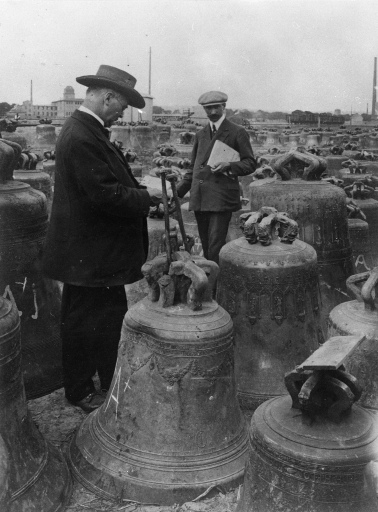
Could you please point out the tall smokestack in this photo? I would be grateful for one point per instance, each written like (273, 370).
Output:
(374, 87)
(31, 92)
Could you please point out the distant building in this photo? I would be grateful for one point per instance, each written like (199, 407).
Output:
(59, 109)
(67, 106)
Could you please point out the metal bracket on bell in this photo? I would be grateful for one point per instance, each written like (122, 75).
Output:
(262, 226)
(320, 387)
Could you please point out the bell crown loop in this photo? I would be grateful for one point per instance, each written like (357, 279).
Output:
(366, 294)
(299, 163)
(268, 224)
(359, 190)
(188, 279)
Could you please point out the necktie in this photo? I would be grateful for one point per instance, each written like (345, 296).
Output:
(213, 131)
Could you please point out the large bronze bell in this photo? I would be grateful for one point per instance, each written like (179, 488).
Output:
(171, 425)
(321, 212)
(360, 316)
(270, 287)
(360, 243)
(363, 195)
(312, 452)
(23, 225)
(38, 474)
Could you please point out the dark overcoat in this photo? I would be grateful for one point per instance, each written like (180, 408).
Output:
(97, 234)
(217, 192)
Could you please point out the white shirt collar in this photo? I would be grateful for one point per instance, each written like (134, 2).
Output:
(87, 111)
(218, 123)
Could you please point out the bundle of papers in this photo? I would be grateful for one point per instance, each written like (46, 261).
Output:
(222, 153)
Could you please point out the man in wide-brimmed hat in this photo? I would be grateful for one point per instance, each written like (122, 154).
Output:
(97, 239)
(214, 190)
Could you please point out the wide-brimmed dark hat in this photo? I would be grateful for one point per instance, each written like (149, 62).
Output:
(114, 78)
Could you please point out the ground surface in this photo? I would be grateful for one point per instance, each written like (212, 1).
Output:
(57, 421)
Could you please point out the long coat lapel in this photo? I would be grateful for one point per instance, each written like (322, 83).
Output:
(99, 131)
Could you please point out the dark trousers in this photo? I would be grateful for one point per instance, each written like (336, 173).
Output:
(91, 321)
(212, 228)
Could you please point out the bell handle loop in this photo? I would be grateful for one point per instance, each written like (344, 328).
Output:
(198, 278)
(364, 294)
(287, 228)
(368, 292)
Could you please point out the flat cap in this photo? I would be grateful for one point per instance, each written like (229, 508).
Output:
(212, 98)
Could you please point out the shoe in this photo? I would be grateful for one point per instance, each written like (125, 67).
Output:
(90, 402)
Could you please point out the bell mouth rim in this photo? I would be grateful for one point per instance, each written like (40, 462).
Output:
(309, 440)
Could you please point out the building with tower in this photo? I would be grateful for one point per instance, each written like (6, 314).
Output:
(59, 109)
(67, 106)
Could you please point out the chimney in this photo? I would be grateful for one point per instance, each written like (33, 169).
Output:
(374, 87)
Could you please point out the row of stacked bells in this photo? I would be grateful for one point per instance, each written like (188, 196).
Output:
(33, 474)
(171, 426)
(269, 284)
(360, 316)
(23, 224)
(321, 212)
(313, 451)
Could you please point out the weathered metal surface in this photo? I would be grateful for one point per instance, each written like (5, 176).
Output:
(321, 212)
(38, 180)
(4, 476)
(360, 316)
(23, 225)
(295, 466)
(272, 295)
(38, 475)
(360, 243)
(311, 451)
(171, 425)
(363, 194)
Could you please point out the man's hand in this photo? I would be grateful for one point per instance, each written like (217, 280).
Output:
(221, 167)
(156, 197)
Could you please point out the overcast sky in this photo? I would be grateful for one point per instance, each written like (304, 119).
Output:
(272, 55)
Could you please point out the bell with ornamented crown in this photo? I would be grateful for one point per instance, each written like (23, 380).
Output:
(320, 210)
(269, 284)
(171, 426)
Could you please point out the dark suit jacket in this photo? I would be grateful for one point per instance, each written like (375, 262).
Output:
(97, 234)
(217, 192)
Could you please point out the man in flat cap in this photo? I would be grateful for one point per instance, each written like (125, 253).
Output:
(214, 191)
(97, 239)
